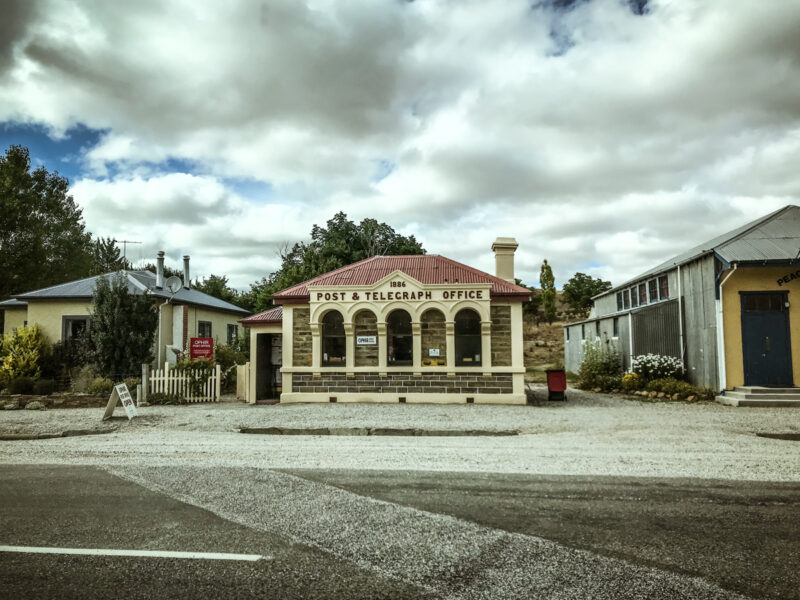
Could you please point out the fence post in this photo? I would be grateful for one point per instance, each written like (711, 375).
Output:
(145, 381)
(218, 384)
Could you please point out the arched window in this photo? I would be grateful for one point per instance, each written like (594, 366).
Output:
(468, 338)
(399, 339)
(333, 339)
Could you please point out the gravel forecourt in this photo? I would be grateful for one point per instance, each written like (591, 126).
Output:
(196, 454)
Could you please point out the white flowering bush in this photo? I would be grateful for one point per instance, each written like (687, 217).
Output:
(657, 366)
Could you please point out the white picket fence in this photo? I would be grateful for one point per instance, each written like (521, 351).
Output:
(170, 381)
(243, 382)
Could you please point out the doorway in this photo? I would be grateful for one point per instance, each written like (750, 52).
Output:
(268, 366)
(766, 343)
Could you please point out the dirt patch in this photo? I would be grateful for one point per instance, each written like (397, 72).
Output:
(363, 431)
(791, 437)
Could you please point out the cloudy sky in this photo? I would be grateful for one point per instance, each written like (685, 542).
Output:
(604, 135)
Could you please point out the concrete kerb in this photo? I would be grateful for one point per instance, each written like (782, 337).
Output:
(375, 431)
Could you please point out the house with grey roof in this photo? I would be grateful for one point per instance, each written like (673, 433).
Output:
(63, 311)
(728, 308)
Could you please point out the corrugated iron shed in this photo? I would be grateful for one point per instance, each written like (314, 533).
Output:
(426, 268)
(774, 237)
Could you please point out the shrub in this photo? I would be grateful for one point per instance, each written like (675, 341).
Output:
(608, 382)
(657, 366)
(632, 382)
(21, 385)
(82, 378)
(44, 387)
(100, 386)
(600, 358)
(22, 352)
(197, 372)
(132, 382)
(228, 357)
(161, 398)
(671, 386)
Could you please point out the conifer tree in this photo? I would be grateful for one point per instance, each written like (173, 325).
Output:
(548, 283)
(122, 328)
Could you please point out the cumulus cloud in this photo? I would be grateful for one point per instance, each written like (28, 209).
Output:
(605, 135)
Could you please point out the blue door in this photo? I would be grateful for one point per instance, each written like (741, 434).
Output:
(766, 348)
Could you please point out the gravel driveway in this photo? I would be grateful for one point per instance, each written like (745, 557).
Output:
(591, 434)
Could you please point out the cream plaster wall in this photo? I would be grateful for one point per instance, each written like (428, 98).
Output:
(14, 317)
(48, 313)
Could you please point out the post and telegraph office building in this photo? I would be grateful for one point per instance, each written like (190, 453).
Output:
(394, 329)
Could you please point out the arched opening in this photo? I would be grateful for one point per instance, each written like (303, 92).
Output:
(365, 329)
(334, 346)
(467, 329)
(399, 339)
(434, 338)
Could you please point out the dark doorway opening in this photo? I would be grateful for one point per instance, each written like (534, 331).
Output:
(766, 342)
(268, 366)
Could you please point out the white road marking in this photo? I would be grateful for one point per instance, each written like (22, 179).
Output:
(140, 553)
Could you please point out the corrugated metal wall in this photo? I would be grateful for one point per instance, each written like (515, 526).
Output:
(698, 282)
(656, 330)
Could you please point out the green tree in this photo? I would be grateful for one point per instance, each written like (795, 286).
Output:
(217, 286)
(106, 257)
(578, 292)
(122, 329)
(43, 240)
(339, 243)
(548, 283)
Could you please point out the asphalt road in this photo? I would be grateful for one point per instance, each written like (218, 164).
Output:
(85, 507)
(743, 536)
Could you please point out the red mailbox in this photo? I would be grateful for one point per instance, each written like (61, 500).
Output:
(556, 384)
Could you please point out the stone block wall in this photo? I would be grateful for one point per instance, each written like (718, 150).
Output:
(402, 383)
(366, 323)
(434, 335)
(501, 336)
(301, 337)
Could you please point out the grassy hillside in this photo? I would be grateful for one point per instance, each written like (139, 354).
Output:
(543, 344)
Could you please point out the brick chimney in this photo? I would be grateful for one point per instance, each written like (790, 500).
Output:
(504, 248)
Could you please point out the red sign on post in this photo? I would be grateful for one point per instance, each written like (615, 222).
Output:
(201, 348)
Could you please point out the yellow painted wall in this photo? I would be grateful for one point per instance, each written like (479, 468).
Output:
(14, 317)
(47, 314)
(219, 323)
(756, 279)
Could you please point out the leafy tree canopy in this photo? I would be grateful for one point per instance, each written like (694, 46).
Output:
(106, 257)
(122, 329)
(42, 233)
(578, 291)
(217, 286)
(341, 242)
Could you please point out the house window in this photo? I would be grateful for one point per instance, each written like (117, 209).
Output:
(663, 287)
(73, 326)
(626, 299)
(468, 338)
(566, 329)
(616, 326)
(333, 339)
(619, 300)
(233, 333)
(204, 329)
(653, 287)
(399, 342)
(597, 328)
(583, 331)
(642, 294)
(634, 297)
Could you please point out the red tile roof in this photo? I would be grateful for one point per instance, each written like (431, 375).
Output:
(273, 316)
(425, 268)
